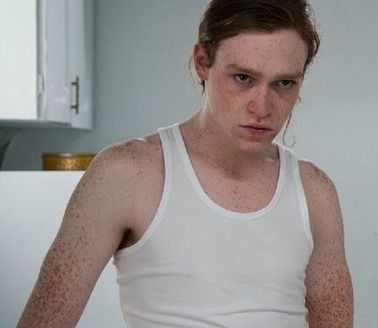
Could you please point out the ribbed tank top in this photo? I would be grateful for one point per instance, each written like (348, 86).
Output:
(201, 265)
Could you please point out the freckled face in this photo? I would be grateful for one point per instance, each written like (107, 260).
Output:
(253, 85)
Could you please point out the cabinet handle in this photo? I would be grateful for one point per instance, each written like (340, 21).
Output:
(76, 85)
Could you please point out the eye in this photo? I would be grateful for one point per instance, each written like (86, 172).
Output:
(286, 84)
(243, 78)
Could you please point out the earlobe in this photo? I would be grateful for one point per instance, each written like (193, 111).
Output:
(201, 62)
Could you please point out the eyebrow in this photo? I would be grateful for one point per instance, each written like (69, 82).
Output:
(288, 76)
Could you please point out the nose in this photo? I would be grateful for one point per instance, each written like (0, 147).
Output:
(260, 103)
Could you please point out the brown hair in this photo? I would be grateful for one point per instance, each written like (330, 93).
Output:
(227, 18)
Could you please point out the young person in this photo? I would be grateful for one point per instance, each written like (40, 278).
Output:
(212, 223)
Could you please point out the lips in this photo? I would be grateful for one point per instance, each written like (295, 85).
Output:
(256, 127)
(257, 130)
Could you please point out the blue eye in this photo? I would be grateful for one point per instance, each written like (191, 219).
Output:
(286, 84)
(243, 78)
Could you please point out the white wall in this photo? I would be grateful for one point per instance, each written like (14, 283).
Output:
(141, 83)
(335, 126)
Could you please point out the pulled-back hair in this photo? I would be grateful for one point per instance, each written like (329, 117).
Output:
(227, 18)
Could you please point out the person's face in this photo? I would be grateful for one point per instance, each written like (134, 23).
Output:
(253, 85)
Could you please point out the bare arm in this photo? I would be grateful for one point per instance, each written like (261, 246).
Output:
(329, 288)
(92, 229)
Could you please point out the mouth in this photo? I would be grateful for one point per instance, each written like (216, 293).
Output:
(256, 129)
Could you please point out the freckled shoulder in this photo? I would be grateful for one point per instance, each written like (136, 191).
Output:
(120, 174)
(321, 195)
(131, 157)
(310, 171)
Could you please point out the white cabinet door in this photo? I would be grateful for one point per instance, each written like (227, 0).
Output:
(18, 60)
(55, 104)
(46, 62)
(80, 53)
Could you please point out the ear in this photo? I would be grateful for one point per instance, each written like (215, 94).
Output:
(201, 61)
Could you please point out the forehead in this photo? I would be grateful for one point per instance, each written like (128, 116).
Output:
(282, 51)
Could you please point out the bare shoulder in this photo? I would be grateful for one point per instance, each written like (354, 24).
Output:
(322, 199)
(124, 164)
(315, 179)
(128, 159)
(114, 182)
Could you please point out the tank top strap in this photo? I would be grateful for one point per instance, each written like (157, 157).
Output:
(295, 176)
(171, 150)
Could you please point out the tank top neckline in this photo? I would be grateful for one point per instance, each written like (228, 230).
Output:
(192, 175)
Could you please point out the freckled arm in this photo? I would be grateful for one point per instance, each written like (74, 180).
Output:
(89, 235)
(329, 288)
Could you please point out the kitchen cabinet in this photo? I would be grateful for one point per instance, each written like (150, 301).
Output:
(46, 63)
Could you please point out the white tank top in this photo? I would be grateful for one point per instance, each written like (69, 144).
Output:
(201, 265)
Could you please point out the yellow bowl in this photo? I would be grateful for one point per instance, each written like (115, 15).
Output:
(66, 161)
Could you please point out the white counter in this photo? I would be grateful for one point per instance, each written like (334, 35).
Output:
(31, 208)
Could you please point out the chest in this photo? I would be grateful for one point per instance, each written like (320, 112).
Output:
(249, 191)
(211, 257)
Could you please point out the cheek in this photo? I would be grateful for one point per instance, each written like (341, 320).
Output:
(286, 101)
(285, 112)
(282, 109)
(221, 93)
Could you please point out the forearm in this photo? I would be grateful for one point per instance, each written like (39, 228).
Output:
(58, 297)
(326, 318)
(333, 308)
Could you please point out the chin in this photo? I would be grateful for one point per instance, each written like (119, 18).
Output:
(256, 146)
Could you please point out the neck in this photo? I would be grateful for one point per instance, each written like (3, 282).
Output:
(203, 138)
